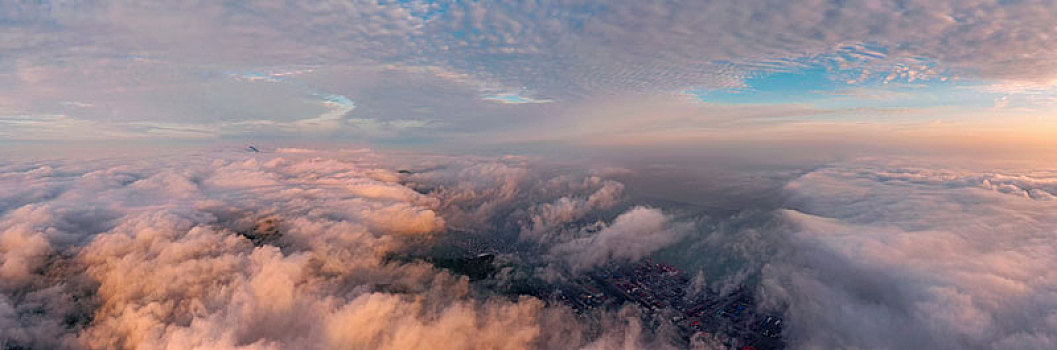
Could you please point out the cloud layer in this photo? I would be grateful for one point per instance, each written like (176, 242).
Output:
(277, 250)
(294, 248)
(884, 256)
(632, 235)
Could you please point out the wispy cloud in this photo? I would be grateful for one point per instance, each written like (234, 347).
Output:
(513, 98)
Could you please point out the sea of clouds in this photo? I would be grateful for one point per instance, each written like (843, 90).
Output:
(292, 249)
(284, 250)
(884, 255)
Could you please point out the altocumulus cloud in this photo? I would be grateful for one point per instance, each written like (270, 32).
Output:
(262, 69)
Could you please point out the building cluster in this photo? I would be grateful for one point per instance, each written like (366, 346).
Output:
(662, 292)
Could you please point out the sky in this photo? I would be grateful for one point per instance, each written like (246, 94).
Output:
(881, 174)
(495, 74)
